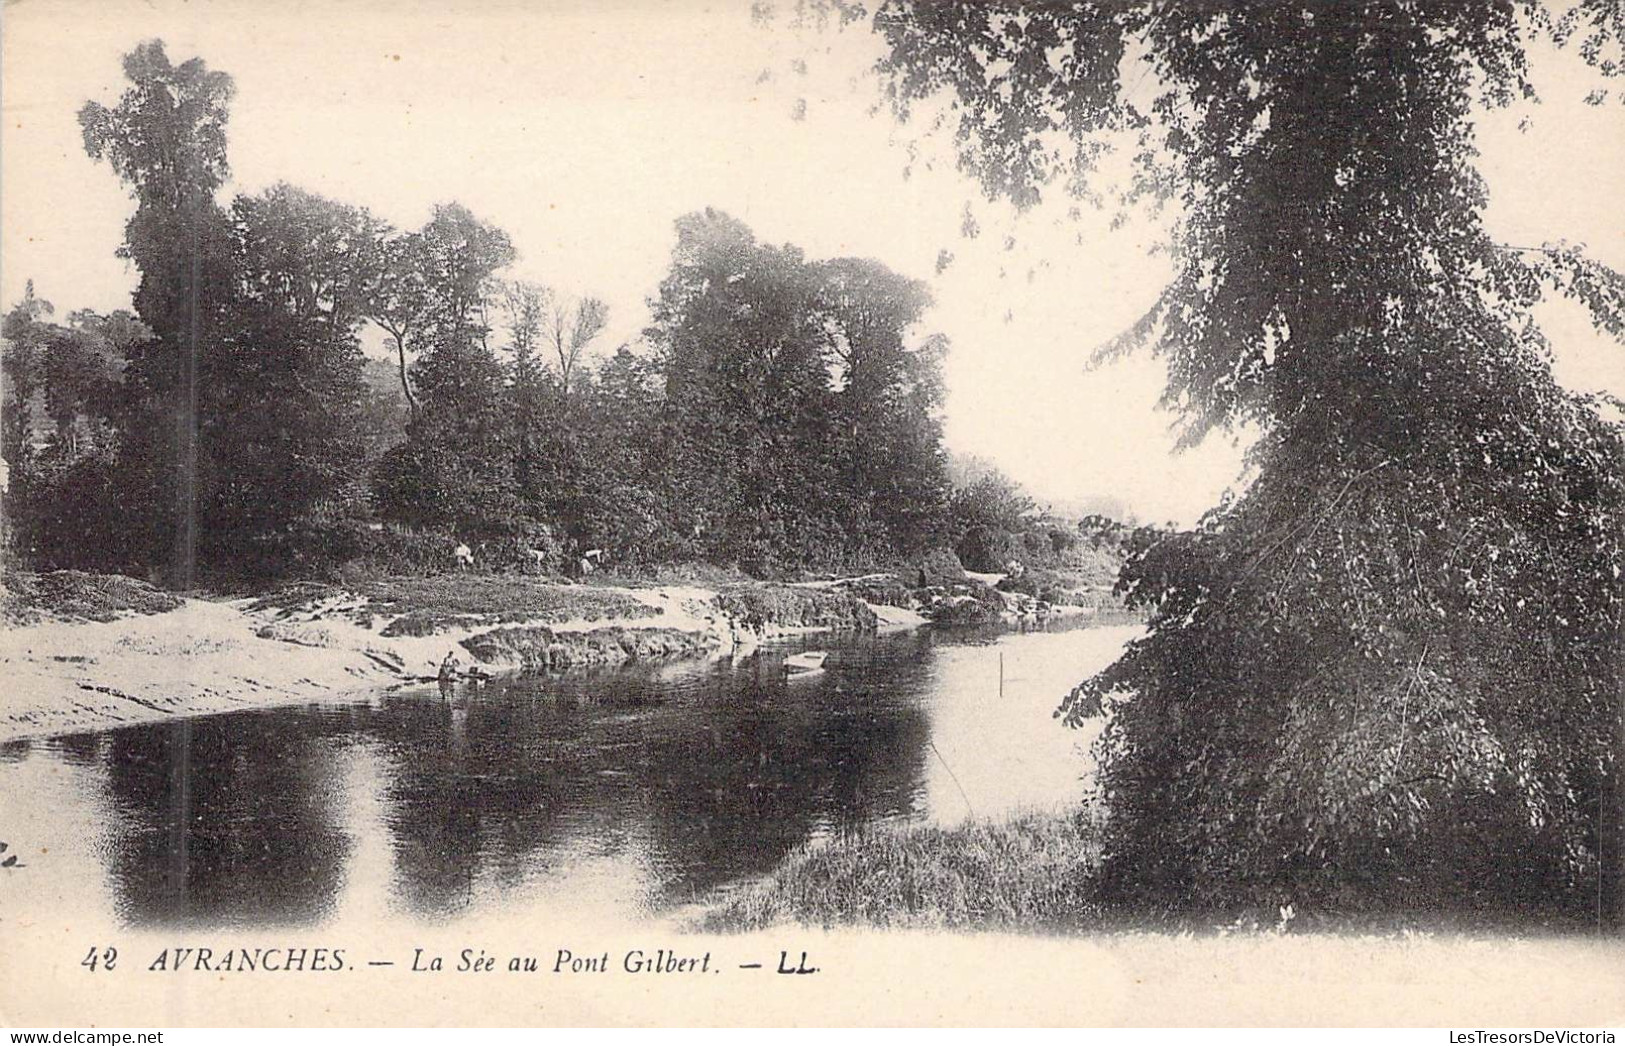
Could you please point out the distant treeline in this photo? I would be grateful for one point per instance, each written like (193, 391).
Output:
(783, 413)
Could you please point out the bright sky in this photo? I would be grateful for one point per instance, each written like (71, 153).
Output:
(584, 130)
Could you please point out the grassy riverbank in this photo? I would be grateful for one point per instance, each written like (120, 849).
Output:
(1030, 872)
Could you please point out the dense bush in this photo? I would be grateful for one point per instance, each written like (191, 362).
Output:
(1040, 584)
(532, 549)
(988, 550)
(764, 606)
(74, 595)
(881, 590)
(391, 551)
(968, 603)
(934, 566)
(1027, 873)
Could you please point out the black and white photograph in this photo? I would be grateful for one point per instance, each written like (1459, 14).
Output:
(813, 512)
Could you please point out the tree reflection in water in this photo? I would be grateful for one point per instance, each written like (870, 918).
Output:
(684, 776)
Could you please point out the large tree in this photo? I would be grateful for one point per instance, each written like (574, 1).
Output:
(166, 140)
(525, 309)
(285, 403)
(802, 398)
(25, 333)
(893, 471)
(743, 346)
(63, 505)
(236, 419)
(456, 467)
(572, 326)
(1390, 671)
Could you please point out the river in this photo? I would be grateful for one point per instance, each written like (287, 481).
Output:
(622, 792)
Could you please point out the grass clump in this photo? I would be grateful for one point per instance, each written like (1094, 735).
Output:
(1030, 872)
(763, 605)
(881, 590)
(73, 595)
(426, 605)
(691, 572)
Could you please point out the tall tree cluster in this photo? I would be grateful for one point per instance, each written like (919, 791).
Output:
(804, 417)
(1390, 670)
(785, 414)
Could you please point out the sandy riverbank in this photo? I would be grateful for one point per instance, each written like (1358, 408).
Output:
(207, 655)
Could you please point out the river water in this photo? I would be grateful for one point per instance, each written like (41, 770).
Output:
(621, 792)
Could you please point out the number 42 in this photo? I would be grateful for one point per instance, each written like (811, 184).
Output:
(106, 957)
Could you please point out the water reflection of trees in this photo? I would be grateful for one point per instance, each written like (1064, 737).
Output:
(704, 774)
(478, 782)
(720, 772)
(736, 791)
(226, 819)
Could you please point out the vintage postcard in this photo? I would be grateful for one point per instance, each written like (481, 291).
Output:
(812, 512)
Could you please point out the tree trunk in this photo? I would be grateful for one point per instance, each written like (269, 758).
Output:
(406, 385)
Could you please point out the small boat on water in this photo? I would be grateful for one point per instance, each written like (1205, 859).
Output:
(806, 661)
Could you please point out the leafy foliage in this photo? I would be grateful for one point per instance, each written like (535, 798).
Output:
(1392, 664)
(804, 419)
(456, 467)
(287, 388)
(64, 388)
(987, 519)
(166, 141)
(787, 417)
